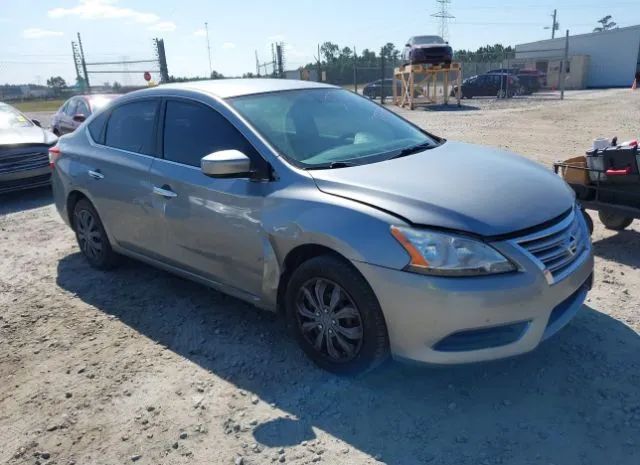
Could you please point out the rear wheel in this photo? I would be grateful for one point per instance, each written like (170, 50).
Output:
(336, 317)
(614, 221)
(91, 237)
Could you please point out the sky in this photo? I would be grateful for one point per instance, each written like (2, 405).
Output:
(36, 35)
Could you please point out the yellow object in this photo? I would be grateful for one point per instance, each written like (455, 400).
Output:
(574, 171)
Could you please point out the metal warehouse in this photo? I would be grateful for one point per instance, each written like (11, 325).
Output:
(599, 59)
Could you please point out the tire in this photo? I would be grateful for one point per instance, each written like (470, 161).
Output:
(588, 220)
(361, 327)
(614, 221)
(91, 236)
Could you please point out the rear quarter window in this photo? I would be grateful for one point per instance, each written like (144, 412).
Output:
(97, 125)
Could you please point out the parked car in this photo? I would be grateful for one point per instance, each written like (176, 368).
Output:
(531, 80)
(427, 50)
(372, 236)
(497, 85)
(76, 110)
(374, 89)
(24, 161)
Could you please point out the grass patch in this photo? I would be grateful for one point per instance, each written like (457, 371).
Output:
(38, 105)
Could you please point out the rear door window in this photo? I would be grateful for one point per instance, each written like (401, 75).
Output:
(82, 108)
(131, 127)
(192, 131)
(71, 106)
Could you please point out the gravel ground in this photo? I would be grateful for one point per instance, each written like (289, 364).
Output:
(137, 365)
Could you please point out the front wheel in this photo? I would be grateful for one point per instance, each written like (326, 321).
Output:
(336, 317)
(614, 221)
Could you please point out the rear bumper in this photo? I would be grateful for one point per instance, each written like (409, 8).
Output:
(459, 320)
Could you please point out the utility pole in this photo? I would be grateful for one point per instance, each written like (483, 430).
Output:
(84, 65)
(257, 65)
(355, 69)
(162, 60)
(444, 17)
(319, 66)
(565, 61)
(206, 28)
(555, 24)
(382, 77)
(76, 60)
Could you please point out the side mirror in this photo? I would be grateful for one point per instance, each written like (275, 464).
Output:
(36, 122)
(226, 164)
(407, 45)
(79, 117)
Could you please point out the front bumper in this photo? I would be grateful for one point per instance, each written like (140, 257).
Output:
(443, 320)
(25, 179)
(431, 55)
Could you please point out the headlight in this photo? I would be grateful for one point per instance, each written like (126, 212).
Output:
(449, 255)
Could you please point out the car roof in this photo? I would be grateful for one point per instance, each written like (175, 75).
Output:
(226, 88)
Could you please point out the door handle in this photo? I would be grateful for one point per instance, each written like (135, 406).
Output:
(95, 174)
(166, 193)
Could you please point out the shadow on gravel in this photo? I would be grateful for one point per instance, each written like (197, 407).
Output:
(572, 401)
(623, 247)
(25, 200)
(449, 108)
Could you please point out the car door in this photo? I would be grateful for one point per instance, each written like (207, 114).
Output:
(212, 225)
(491, 85)
(66, 120)
(116, 173)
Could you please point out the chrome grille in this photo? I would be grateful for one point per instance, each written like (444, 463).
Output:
(556, 249)
(23, 161)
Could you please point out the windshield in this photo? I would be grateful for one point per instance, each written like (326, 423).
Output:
(314, 128)
(10, 118)
(420, 40)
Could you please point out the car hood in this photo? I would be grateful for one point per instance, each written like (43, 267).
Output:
(464, 187)
(29, 135)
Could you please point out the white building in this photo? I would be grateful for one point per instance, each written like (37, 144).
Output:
(613, 56)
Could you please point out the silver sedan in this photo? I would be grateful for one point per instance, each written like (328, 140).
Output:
(371, 236)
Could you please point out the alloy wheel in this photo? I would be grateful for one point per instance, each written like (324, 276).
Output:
(329, 319)
(89, 235)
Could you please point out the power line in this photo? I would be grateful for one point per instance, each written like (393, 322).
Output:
(444, 16)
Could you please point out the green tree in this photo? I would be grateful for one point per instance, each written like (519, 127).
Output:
(57, 83)
(605, 24)
(329, 51)
(216, 75)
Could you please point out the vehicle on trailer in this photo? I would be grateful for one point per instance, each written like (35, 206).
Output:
(432, 50)
(501, 85)
(76, 110)
(24, 145)
(372, 236)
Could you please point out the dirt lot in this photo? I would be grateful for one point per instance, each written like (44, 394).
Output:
(139, 365)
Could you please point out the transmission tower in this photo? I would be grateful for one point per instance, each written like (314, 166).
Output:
(444, 17)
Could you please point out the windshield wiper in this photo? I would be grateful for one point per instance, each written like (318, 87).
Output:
(413, 149)
(341, 164)
(333, 164)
